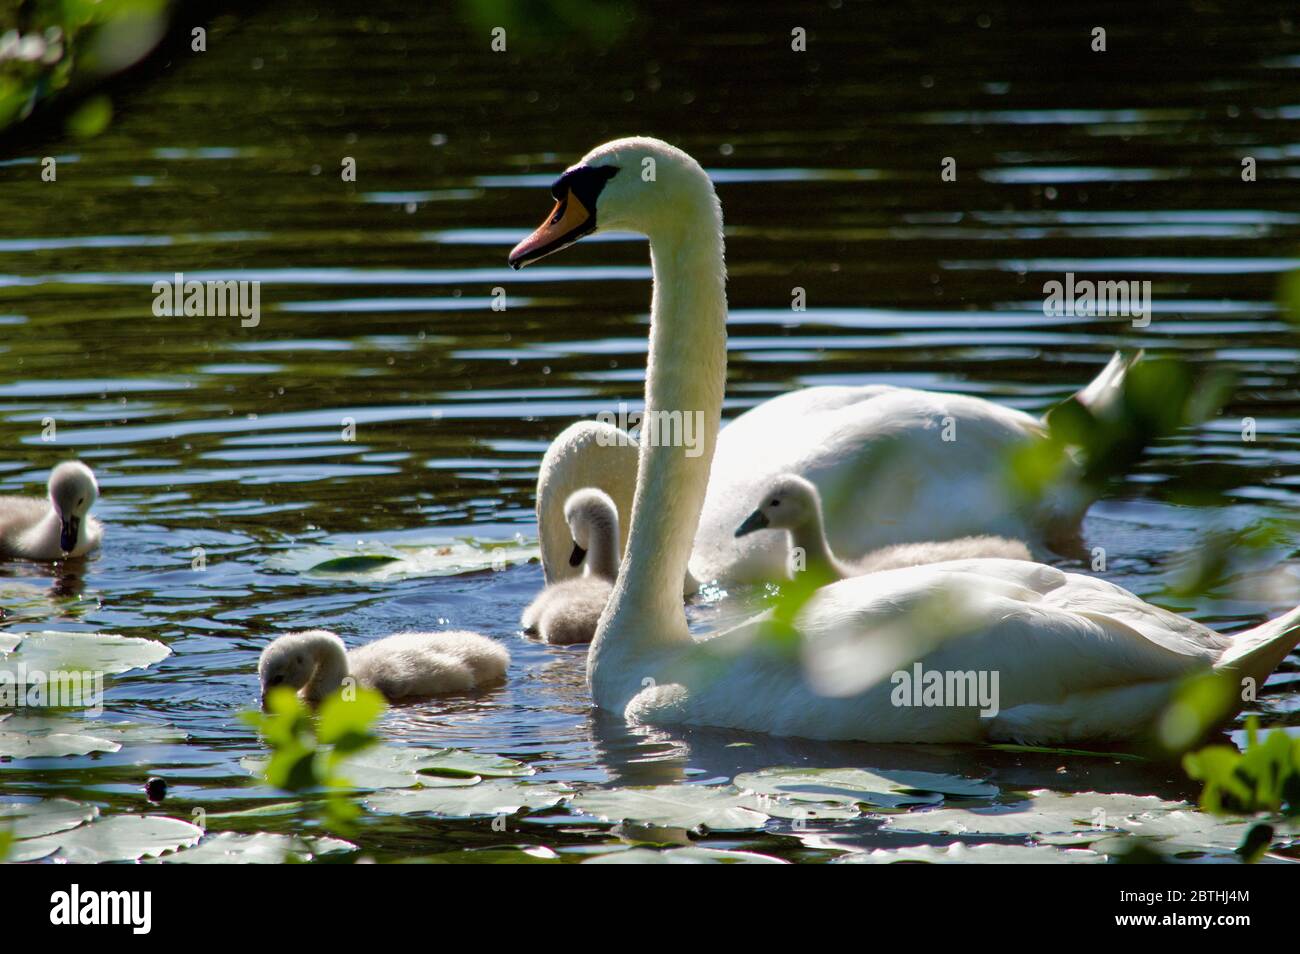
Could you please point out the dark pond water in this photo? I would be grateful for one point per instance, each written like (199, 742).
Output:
(376, 295)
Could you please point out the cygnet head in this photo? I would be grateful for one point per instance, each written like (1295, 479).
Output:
(592, 519)
(790, 502)
(73, 492)
(292, 660)
(638, 184)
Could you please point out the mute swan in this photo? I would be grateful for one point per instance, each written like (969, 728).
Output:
(402, 666)
(792, 503)
(567, 612)
(878, 453)
(55, 528)
(1075, 658)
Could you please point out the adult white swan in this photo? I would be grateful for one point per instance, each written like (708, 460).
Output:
(1076, 658)
(893, 465)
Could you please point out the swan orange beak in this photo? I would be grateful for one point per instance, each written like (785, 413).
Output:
(569, 221)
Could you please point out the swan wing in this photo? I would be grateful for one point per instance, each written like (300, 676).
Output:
(1047, 632)
(882, 458)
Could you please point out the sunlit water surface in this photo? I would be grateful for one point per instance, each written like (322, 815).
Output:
(376, 308)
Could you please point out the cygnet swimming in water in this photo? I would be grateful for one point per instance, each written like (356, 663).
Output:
(402, 666)
(793, 504)
(568, 611)
(55, 527)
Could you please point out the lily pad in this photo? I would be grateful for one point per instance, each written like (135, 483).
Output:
(693, 855)
(21, 745)
(118, 838)
(54, 734)
(354, 564)
(406, 766)
(259, 848)
(851, 786)
(799, 810)
(1182, 831)
(33, 819)
(462, 763)
(381, 563)
(673, 806)
(105, 653)
(1045, 812)
(960, 854)
(484, 800)
(132, 732)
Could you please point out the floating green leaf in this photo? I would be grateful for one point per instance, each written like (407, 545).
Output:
(19, 745)
(33, 819)
(385, 563)
(1043, 812)
(486, 799)
(693, 855)
(105, 653)
(673, 806)
(959, 854)
(354, 564)
(262, 848)
(118, 838)
(881, 788)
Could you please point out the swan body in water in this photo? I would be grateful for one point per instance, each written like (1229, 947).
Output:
(403, 666)
(566, 612)
(881, 456)
(792, 503)
(1071, 658)
(55, 527)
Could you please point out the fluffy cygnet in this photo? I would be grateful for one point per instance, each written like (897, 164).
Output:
(568, 611)
(402, 666)
(56, 527)
(793, 504)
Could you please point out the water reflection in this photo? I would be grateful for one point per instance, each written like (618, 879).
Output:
(378, 307)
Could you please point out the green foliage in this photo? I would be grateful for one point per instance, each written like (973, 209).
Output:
(57, 46)
(1263, 778)
(307, 750)
(1200, 704)
(1157, 397)
(91, 118)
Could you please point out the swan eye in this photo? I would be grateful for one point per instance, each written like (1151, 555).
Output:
(775, 503)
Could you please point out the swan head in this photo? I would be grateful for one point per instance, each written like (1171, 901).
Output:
(592, 518)
(638, 184)
(73, 492)
(789, 502)
(292, 660)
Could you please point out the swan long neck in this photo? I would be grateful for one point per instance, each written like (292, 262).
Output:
(603, 558)
(331, 669)
(810, 537)
(685, 379)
